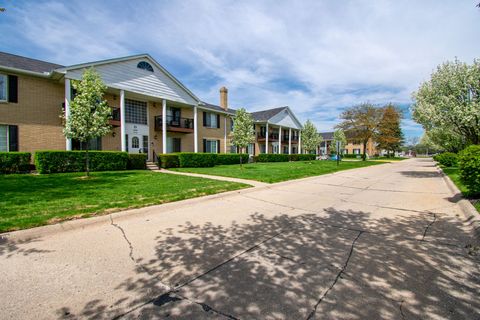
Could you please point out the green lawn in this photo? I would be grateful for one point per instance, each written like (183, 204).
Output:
(454, 174)
(279, 171)
(32, 200)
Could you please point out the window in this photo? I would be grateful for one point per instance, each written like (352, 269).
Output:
(3, 87)
(145, 66)
(211, 146)
(93, 144)
(356, 151)
(135, 143)
(135, 111)
(232, 124)
(251, 148)
(211, 120)
(174, 145)
(3, 138)
(145, 144)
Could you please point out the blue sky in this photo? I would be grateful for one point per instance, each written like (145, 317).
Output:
(318, 57)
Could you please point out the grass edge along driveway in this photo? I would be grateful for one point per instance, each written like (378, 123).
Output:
(454, 174)
(271, 172)
(28, 200)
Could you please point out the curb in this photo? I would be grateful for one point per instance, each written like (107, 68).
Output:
(472, 216)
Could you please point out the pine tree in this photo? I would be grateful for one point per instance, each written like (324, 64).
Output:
(389, 136)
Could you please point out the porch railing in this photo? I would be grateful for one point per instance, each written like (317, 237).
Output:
(176, 122)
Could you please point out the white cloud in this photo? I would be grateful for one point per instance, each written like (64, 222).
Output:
(315, 56)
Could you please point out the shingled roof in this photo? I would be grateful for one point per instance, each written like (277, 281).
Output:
(18, 62)
(327, 135)
(218, 108)
(266, 114)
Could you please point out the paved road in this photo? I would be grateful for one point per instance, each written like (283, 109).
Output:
(383, 242)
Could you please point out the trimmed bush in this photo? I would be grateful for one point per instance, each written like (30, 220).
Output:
(14, 162)
(447, 159)
(74, 161)
(351, 156)
(137, 161)
(196, 160)
(231, 158)
(302, 157)
(272, 157)
(168, 161)
(469, 164)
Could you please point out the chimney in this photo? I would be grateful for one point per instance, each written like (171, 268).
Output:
(224, 98)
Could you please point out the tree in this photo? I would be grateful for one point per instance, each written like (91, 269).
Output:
(243, 133)
(450, 101)
(310, 137)
(338, 136)
(389, 136)
(89, 113)
(361, 123)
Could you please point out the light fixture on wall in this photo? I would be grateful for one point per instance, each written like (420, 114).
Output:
(114, 134)
(155, 137)
(154, 105)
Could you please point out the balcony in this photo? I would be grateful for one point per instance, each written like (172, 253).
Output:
(285, 138)
(272, 136)
(175, 124)
(115, 121)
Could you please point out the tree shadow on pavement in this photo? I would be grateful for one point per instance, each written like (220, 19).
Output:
(327, 265)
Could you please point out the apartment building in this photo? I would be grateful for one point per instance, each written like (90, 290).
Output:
(153, 112)
(352, 146)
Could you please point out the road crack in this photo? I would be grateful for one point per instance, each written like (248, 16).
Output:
(352, 248)
(130, 246)
(428, 226)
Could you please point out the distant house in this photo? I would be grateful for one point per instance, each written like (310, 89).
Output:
(352, 146)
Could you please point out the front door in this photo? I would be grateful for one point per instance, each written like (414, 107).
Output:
(137, 138)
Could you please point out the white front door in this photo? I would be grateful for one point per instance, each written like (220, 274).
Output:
(137, 138)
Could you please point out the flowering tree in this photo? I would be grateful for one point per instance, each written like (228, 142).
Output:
(243, 133)
(450, 101)
(338, 136)
(310, 137)
(89, 113)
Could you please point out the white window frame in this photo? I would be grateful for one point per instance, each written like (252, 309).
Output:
(5, 86)
(212, 141)
(213, 120)
(6, 137)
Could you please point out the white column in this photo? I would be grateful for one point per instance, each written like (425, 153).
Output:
(195, 129)
(123, 131)
(299, 142)
(290, 141)
(279, 140)
(325, 147)
(225, 133)
(266, 139)
(68, 97)
(164, 126)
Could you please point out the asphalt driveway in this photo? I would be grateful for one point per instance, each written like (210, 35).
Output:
(381, 242)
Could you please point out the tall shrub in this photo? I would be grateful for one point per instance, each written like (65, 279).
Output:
(469, 164)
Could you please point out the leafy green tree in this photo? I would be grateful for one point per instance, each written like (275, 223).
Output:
(89, 113)
(338, 136)
(310, 137)
(450, 102)
(243, 133)
(389, 135)
(361, 123)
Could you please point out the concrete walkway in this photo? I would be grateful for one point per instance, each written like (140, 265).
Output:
(246, 181)
(381, 242)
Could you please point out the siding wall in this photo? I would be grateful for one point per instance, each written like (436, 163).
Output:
(125, 75)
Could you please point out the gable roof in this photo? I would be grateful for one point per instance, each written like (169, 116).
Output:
(14, 61)
(132, 57)
(265, 115)
(214, 107)
(326, 135)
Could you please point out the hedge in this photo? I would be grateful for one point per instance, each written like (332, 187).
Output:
(351, 156)
(447, 159)
(302, 157)
(272, 157)
(196, 160)
(14, 162)
(74, 161)
(137, 161)
(168, 161)
(231, 158)
(469, 164)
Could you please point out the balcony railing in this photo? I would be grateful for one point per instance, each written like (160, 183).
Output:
(115, 121)
(271, 135)
(285, 138)
(174, 124)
